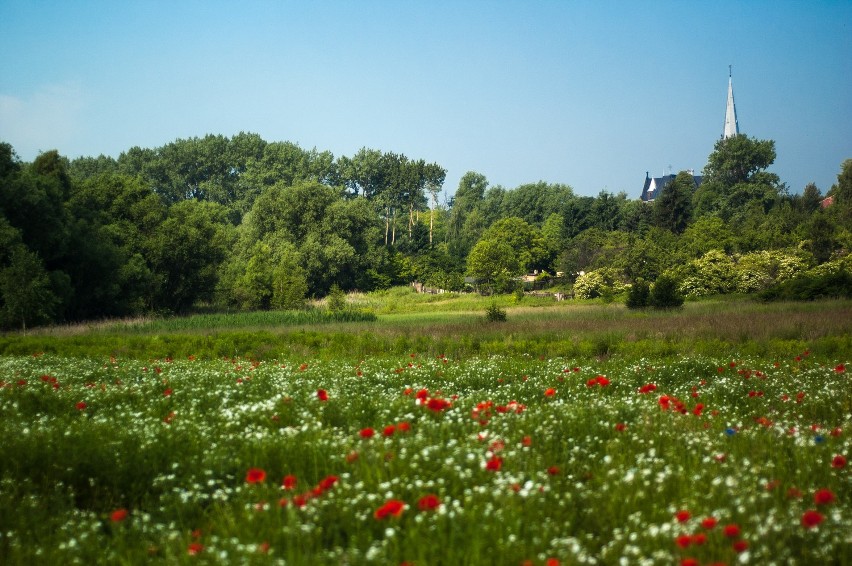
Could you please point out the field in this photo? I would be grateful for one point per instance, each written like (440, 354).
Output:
(570, 434)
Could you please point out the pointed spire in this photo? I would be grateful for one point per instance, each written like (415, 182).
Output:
(732, 127)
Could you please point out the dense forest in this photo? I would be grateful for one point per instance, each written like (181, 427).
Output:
(242, 223)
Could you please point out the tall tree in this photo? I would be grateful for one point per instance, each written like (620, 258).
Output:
(673, 208)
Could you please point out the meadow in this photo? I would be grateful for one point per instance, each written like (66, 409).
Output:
(569, 434)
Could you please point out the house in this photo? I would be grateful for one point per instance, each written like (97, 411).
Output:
(654, 185)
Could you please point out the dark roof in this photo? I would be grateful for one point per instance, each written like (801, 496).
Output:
(649, 193)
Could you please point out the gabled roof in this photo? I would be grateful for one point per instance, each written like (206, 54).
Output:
(654, 185)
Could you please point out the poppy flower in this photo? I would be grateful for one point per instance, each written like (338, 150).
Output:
(683, 516)
(526, 441)
(620, 427)
(438, 405)
(549, 392)
(403, 427)
(366, 432)
(647, 388)
(823, 497)
(328, 482)
(840, 368)
(838, 462)
(289, 482)
(683, 541)
(255, 475)
(393, 507)
(118, 515)
(389, 430)
(322, 394)
(699, 539)
(494, 464)
(194, 548)
(689, 562)
(811, 518)
(709, 522)
(731, 531)
(81, 406)
(740, 546)
(428, 502)
(553, 470)
(300, 501)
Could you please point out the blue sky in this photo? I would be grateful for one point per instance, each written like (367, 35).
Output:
(589, 93)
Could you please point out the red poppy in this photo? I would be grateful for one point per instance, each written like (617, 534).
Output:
(367, 432)
(552, 562)
(709, 522)
(403, 427)
(683, 541)
(322, 394)
(389, 430)
(683, 516)
(438, 405)
(300, 500)
(328, 482)
(393, 507)
(838, 462)
(620, 427)
(823, 497)
(811, 518)
(731, 531)
(428, 502)
(81, 406)
(255, 475)
(840, 368)
(553, 470)
(689, 562)
(494, 464)
(526, 441)
(194, 548)
(647, 388)
(167, 392)
(549, 392)
(118, 515)
(699, 539)
(289, 482)
(740, 546)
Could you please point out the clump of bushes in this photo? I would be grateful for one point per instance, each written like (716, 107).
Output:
(495, 313)
(664, 294)
(811, 286)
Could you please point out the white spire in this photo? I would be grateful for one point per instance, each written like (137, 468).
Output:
(732, 127)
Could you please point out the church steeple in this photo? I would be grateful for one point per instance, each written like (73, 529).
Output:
(732, 127)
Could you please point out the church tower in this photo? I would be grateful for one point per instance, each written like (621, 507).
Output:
(732, 127)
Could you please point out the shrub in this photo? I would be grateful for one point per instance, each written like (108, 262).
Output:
(639, 295)
(495, 313)
(665, 294)
(336, 299)
(811, 286)
(604, 282)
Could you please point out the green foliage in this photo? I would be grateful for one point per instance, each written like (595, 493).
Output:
(604, 282)
(811, 286)
(26, 297)
(673, 207)
(495, 314)
(336, 300)
(665, 293)
(639, 295)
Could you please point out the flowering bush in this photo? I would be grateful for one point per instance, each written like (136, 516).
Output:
(602, 282)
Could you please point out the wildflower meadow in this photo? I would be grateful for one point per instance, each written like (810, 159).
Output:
(425, 459)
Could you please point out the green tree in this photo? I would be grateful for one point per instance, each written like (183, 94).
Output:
(493, 263)
(665, 294)
(26, 296)
(673, 208)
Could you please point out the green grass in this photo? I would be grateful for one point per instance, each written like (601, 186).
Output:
(165, 419)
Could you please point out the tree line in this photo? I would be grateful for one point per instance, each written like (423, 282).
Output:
(242, 223)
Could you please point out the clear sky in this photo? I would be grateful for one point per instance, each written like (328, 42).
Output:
(588, 93)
